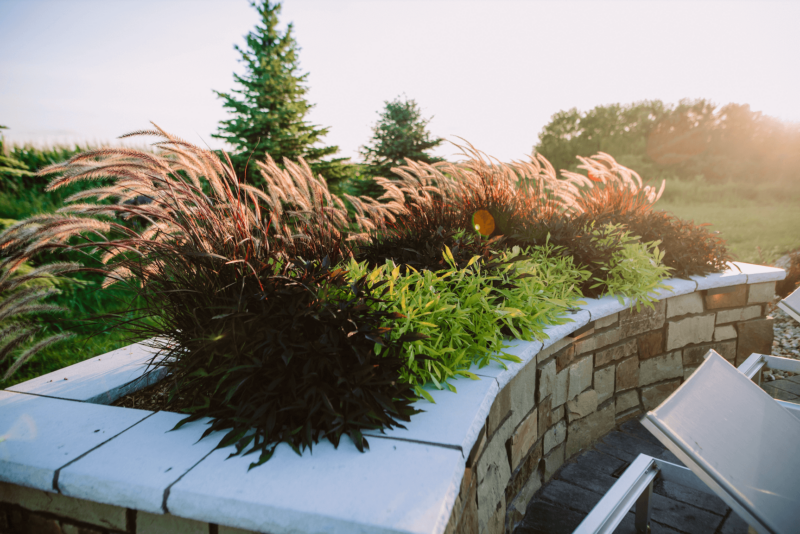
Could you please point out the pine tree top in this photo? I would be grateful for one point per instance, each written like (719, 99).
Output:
(268, 105)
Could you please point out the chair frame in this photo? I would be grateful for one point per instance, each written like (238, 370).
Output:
(785, 306)
(635, 485)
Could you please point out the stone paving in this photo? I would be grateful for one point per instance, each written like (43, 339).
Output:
(787, 389)
(561, 504)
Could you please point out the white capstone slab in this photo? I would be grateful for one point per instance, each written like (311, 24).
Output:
(395, 487)
(560, 331)
(604, 306)
(41, 435)
(101, 380)
(455, 419)
(524, 350)
(677, 287)
(135, 468)
(731, 277)
(760, 273)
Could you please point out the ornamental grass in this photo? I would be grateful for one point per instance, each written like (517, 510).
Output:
(288, 316)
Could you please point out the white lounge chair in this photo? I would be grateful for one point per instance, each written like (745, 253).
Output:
(736, 441)
(791, 305)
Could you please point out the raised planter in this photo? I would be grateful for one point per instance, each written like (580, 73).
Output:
(469, 463)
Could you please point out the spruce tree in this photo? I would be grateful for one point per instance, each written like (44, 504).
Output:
(268, 106)
(400, 133)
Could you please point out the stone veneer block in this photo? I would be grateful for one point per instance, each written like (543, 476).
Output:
(731, 277)
(565, 357)
(523, 438)
(604, 307)
(726, 297)
(519, 506)
(558, 332)
(754, 337)
(684, 304)
(633, 323)
(721, 333)
(546, 376)
(517, 397)
(759, 273)
(167, 524)
(627, 374)
(382, 490)
(604, 383)
(582, 405)
(552, 462)
(135, 468)
(35, 500)
(760, 293)
(557, 413)
(739, 314)
(555, 436)
(222, 529)
(560, 388)
(626, 401)
(694, 356)
(100, 380)
(652, 396)
(618, 352)
(651, 344)
(552, 349)
(580, 377)
(455, 419)
(45, 434)
(545, 416)
(660, 368)
(598, 341)
(605, 322)
(493, 473)
(695, 329)
(584, 431)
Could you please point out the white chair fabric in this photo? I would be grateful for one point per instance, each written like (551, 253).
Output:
(791, 305)
(738, 441)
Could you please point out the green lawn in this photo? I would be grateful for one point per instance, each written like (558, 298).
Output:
(759, 223)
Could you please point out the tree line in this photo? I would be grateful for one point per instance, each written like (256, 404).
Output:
(692, 139)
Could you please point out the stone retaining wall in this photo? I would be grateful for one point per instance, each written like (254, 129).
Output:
(568, 395)
(583, 386)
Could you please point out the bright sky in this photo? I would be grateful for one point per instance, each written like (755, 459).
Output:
(492, 72)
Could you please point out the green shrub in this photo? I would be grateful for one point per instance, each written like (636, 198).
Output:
(467, 313)
(634, 271)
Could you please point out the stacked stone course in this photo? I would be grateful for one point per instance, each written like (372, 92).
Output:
(582, 387)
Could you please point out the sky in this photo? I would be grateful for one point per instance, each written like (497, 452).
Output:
(490, 72)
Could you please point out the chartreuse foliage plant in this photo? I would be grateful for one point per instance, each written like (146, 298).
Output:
(467, 313)
(635, 269)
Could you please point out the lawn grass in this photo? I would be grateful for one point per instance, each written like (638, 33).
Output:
(759, 222)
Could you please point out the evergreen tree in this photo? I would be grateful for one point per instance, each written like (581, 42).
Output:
(400, 133)
(269, 105)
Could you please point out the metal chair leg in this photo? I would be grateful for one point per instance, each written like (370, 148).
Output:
(643, 507)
